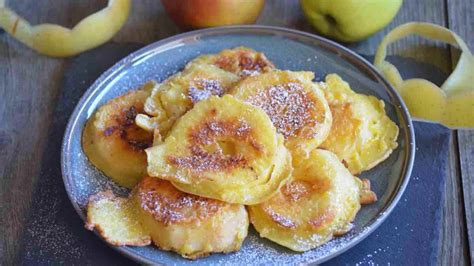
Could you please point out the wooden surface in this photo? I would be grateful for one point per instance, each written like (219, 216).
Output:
(30, 83)
(461, 20)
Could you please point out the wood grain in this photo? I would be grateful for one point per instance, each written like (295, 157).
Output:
(30, 84)
(461, 20)
(466, 154)
(453, 247)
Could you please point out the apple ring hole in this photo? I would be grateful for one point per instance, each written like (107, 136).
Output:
(224, 147)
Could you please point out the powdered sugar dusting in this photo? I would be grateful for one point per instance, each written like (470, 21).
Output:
(249, 72)
(261, 251)
(204, 89)
(289, 107)
(169, 206)
(197, 95)
(92, 181)
(201, 159)
(280, 219)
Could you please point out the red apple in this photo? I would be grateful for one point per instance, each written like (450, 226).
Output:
(192, 14)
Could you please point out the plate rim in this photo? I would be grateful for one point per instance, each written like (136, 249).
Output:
(406, 120)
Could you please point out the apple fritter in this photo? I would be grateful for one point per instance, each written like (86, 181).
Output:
(114, 143)
(362, 135)
(241, 61)
(115, 219)
(223, 149)
(157, 212)
(178, 94)
(295, 105)
(207, 75)
(190, 225)
(319, 203)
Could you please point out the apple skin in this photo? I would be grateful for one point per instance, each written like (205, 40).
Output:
(194, 14)
(350, 20)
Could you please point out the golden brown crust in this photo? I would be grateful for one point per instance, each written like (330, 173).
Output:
(168, 205)
(243, 62)
(294, 192)
(119, 202)
(367, 196)
(190, 225)
(108, 194)
(122, 125)
(114, 143)
(320, 202)
(207, 153)
(202, 88)
(344, 121)
(362, 135)
(208, 131)
(295, 105)
(322, 219)
(223, 149)
(281, 220)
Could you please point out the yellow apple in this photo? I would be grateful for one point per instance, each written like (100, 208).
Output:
(193, 14)
(350, 20)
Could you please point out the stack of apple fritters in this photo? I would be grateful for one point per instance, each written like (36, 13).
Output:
(232, 137)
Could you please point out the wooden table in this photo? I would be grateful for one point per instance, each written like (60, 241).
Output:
(30, 84)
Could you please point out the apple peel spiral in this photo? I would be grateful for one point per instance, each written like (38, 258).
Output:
(58, 41)
(451, 104)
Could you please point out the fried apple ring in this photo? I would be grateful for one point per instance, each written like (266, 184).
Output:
(156, 211)
(241, 61)
(178, 94)
(362, 135)
(112, 141)
(207, 75)
(295, 105)
(223, 149)
(319, 203)
(115, 219)
(190, 225)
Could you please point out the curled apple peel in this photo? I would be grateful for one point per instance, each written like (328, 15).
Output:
(58, 41)
(451, 105)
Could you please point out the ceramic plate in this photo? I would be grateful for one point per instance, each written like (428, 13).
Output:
(288, 49)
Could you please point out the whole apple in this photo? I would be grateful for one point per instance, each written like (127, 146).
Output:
(193, 14)
(350, 20)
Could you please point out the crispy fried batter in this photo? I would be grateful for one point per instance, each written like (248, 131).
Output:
(362, 135)
(295, 105)
(115, 219)
(114, 143)
(224, 149)
(241, 61)
(178, 94)
(189, 225)
(319, 203)
(367, 196)
(202, 77)
(169, 206)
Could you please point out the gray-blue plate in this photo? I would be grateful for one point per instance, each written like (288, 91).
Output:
(288, 49)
